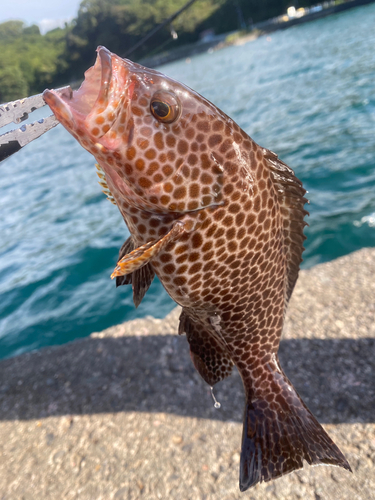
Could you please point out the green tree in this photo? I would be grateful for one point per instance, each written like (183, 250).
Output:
(120, 24)
(31, 61)
(12, 84)
(10, 31)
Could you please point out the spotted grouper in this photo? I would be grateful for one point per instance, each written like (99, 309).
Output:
(220, 221)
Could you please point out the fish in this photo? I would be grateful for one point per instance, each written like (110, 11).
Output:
(220, 220)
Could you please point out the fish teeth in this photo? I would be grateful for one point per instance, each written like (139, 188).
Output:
(110, 198)
(103, 184)
(107, 192)
(100, 171)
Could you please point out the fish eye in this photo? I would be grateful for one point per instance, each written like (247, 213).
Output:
(165, 106)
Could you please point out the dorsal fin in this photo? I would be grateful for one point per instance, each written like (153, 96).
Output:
(291, 198)
(103, 183)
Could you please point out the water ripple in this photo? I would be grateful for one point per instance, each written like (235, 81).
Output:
(306, 93)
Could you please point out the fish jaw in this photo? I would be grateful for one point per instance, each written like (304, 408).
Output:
(90, 112)
(90, 115)
(110, 115)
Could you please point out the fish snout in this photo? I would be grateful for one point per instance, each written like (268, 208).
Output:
(91, 111)
(111, 95)
(58, 104)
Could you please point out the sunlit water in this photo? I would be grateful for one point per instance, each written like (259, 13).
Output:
(307, 93)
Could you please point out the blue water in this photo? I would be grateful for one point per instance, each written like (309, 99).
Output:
(307, 93)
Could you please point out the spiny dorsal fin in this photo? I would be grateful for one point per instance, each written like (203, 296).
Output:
(103, 183)
(292, 200)
(140, 279)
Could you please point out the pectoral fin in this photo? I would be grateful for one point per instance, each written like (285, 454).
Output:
(143, 254)
(140, 279)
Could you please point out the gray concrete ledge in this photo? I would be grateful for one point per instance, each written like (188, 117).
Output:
(122, 414)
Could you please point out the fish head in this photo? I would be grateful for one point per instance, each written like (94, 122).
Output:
(157, 140)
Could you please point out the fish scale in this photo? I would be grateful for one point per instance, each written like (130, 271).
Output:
(219, 220)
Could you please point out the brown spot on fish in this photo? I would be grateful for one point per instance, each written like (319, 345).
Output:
(220, 221)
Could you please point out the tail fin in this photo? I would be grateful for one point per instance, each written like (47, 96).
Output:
(279, 432)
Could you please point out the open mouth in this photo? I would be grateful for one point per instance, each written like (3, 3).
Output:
(95, 87)
(99, 95)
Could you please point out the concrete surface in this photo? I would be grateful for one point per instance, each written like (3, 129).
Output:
(123, 414)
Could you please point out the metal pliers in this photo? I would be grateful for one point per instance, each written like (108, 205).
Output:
(17, 112)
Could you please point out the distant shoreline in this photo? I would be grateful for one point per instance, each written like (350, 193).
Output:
(236, 38)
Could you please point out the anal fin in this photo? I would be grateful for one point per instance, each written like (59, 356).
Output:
(140, 279)
(211, 361)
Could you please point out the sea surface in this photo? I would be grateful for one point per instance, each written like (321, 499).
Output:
(307, 93)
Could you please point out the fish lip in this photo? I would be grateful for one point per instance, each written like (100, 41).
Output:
(106, 66)
(94, 90)
(73, 108)
(57, 102)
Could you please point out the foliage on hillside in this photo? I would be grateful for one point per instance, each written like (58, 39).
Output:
(30, 62)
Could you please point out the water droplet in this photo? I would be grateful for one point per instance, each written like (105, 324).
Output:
(216, 403)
